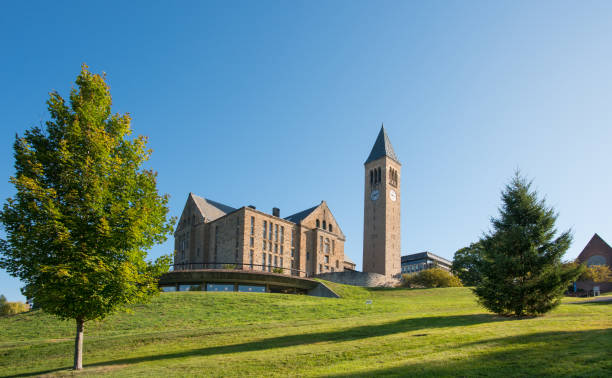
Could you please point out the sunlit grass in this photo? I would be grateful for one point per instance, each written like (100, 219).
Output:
(403, 332)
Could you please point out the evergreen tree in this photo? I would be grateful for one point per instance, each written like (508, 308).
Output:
(522, 272)
(466, 264)
(84, 212)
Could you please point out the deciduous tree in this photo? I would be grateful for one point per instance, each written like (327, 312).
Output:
(85, 210)
(466, 264)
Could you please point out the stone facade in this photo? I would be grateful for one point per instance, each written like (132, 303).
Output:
(351, 277)
(211, 235)
(382, 198)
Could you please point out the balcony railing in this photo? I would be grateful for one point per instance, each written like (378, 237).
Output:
(239, 266)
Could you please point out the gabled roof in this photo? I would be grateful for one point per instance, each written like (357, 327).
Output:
(598, 243)
(382, 147)
(297, 217)
(211, 210)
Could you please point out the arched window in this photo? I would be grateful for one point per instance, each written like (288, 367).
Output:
(331, 229)
(379, 175)
(371, 177)
(324, 225)
(318, 224)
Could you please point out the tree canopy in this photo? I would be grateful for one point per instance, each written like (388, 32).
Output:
(85, 210)
(522, 272)
(466, 264)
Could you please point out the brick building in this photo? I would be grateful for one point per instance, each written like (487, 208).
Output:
(210, 235)
(596, 252)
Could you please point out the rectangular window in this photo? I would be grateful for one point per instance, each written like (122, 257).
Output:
(275, 260)
(219, 287)
(276, 232)
(252, 242)
(252, 288)
(332, 269)
(251, 258)
(327, 259)
(263, 259)
(282, 234)
(270, 233)
(281, 262)
(292, 239)
(281, 252)
(292, 252)
(321, 243)
(275, 248)
(269, 263)
(333, 246)
(252, 225)
(270, 246)
(337, 264)
(320, 268)
(265, 224)
(264, 245)
(307, 255)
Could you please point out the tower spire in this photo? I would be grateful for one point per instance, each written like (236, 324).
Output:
(382, 147)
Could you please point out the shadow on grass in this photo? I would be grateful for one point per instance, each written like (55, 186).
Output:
(578, 353)
(347, 334)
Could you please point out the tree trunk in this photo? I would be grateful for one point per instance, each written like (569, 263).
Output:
(78, 346)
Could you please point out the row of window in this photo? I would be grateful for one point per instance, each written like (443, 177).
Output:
(272, 230)
(376, 176)
(324, 245)
(325, 227)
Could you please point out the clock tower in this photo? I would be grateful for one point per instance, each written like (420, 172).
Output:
(381, 209)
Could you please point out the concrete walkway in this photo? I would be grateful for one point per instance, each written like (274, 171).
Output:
(595, 299)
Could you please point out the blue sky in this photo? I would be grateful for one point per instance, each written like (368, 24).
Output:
(278, 103)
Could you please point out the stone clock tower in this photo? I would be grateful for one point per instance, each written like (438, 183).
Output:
(381, 209)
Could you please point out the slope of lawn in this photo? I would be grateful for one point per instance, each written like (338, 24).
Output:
(439, 332)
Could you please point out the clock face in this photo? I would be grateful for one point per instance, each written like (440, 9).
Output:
(392, 195)
(374, 195)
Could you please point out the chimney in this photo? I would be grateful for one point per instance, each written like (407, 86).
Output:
(252, 207)
(276, 212)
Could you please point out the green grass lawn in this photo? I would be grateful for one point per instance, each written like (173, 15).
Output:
(434, 332)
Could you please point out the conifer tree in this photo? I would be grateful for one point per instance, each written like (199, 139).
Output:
(84, 212)
(522, 272)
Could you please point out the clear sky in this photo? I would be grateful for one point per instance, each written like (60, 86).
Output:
(278, 103)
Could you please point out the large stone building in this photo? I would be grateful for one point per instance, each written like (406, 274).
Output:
(381, 222)
(211, 235)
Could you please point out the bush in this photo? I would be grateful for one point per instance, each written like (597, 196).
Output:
(277, 270)
(12, 308)
(434, 277)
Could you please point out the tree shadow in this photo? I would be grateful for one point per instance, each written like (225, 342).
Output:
(342, 335)
(577, 353)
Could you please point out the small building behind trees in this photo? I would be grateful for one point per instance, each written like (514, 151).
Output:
(418, 262)
(596, 252)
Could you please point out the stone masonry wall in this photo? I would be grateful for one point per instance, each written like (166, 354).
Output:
(355, 278)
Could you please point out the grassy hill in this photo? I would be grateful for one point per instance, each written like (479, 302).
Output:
(404, 332)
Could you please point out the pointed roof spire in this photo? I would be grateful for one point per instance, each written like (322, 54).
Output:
(382, 147)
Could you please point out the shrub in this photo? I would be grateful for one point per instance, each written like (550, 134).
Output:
(12, 308)
(434, 277)
(229, 266)
(277, 270)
